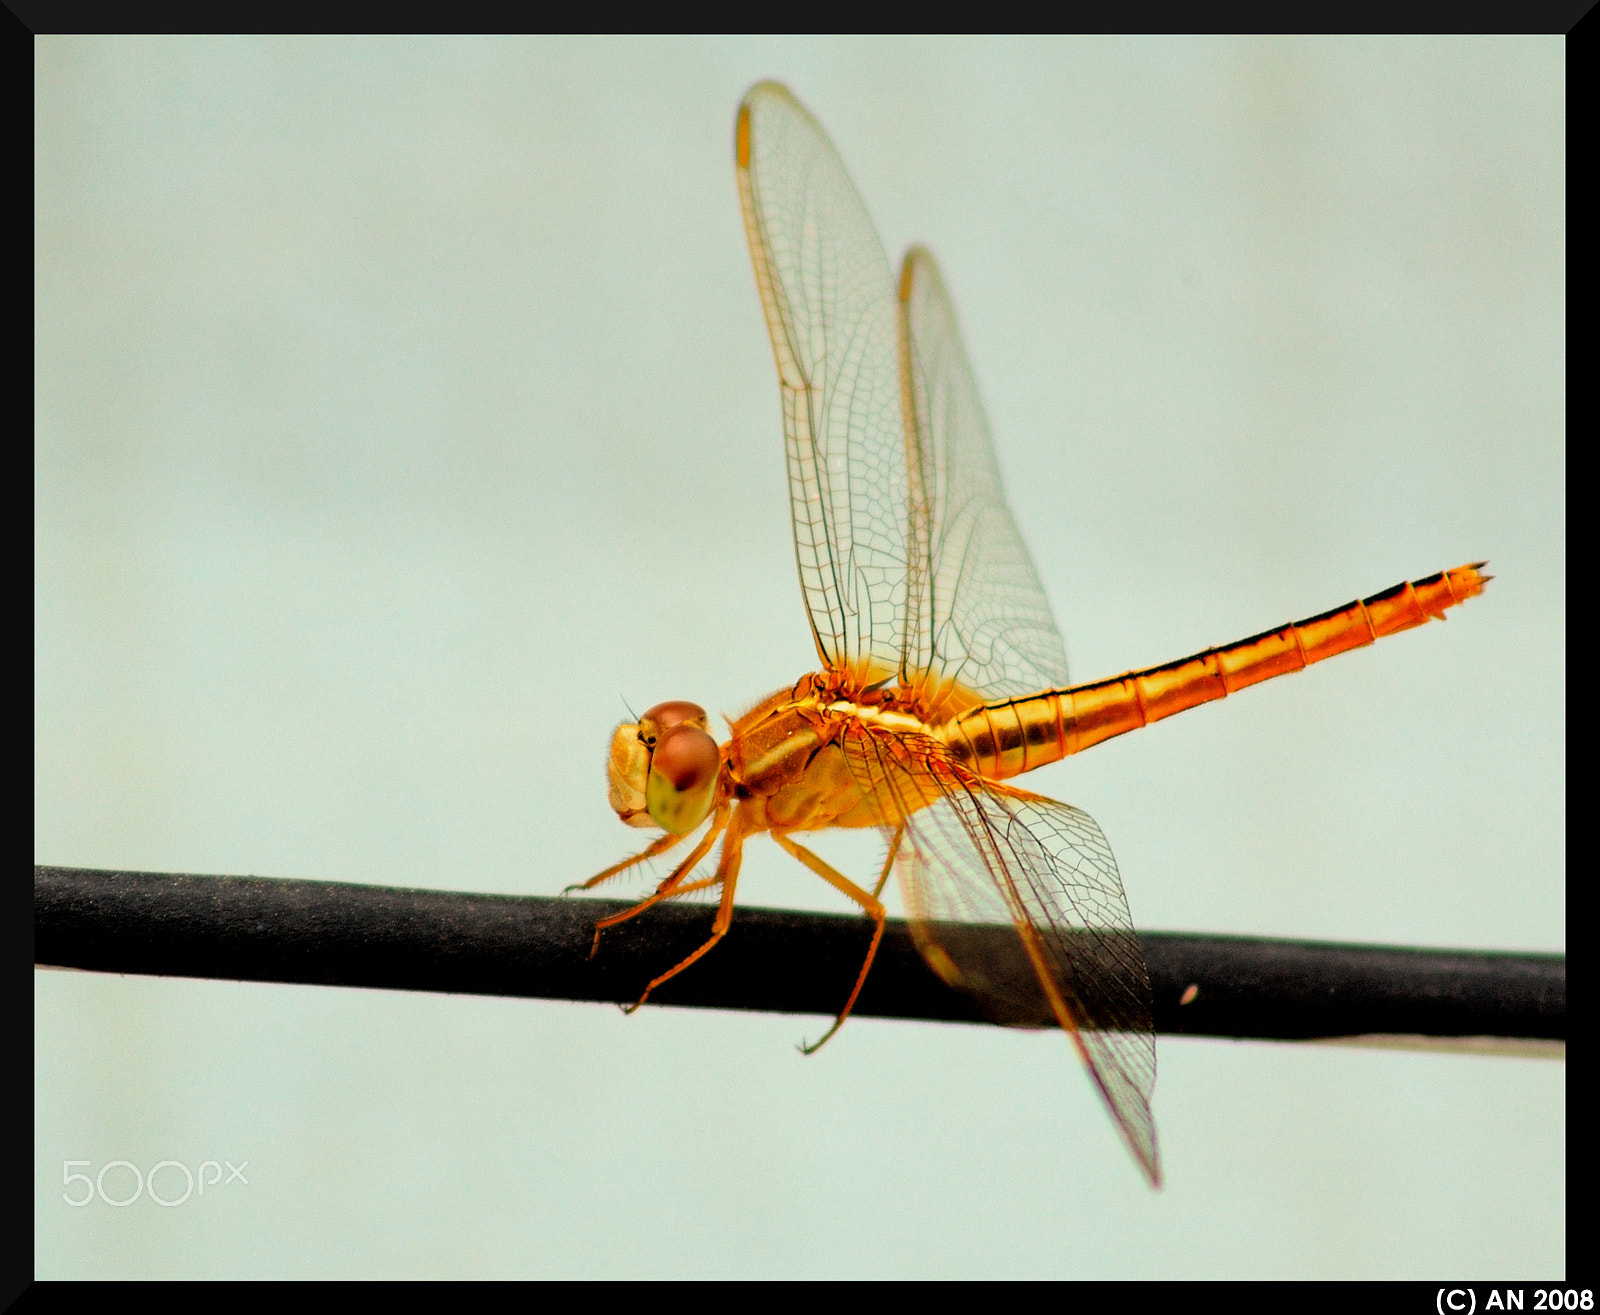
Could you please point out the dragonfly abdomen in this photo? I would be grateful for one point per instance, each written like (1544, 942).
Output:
(1011, 736)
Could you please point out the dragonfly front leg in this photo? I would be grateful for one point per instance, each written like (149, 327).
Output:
(728, 874)
(658, 846)
(673, 884)
(870, 904)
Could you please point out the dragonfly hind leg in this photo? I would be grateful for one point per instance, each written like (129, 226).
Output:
(870, 904)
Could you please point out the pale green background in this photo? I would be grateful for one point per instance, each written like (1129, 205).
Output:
(404, 406)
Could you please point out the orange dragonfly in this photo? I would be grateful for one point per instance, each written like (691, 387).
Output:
(942, 671)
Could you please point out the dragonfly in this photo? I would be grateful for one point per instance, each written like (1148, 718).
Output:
(942, 673)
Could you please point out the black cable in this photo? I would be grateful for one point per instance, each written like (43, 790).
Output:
(338, 934)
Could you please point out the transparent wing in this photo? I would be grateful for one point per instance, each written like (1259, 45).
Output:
(980, 853)
(976, 611)
(829, 298)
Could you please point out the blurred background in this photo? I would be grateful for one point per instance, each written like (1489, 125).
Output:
(404, 406)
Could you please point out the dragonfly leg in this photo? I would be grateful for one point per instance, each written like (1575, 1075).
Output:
(728, 875)
(657, 846)
(673, 884)
(888, 863)
(869, 903)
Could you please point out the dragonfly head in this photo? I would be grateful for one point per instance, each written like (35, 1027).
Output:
(664, 768)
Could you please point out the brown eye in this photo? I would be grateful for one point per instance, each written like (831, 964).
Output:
(684, 771)
(686, 758)
(657, 721)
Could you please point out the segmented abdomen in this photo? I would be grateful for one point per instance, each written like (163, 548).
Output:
(1016, 735)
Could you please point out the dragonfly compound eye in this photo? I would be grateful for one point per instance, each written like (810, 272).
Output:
(657, 721)
(683, 777)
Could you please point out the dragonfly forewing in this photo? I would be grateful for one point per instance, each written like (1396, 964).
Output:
(828, 295)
